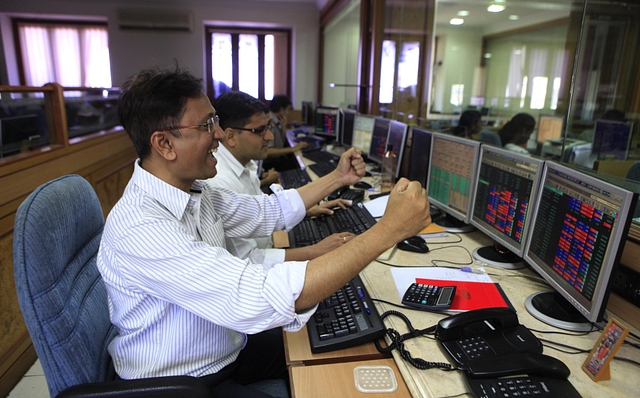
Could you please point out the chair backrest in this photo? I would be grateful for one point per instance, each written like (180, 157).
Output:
(490, 137)
(62, 296)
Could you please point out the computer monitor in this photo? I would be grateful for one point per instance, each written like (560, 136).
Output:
(611, 138)
(397, 139)
(549, 128)
(18, 131)
(505, 187)
(362, 132)
(308, 117)
(327, 122)
(452, 180)
(419, 157)
(347, 117)
(580, 224)
(379, 139)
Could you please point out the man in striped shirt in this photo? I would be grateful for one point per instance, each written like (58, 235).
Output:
(183, 305)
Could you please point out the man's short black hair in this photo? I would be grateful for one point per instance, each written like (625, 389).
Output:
(153, 100)
(236, 108)
(279, 102)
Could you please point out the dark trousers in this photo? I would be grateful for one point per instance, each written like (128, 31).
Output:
(261, 359)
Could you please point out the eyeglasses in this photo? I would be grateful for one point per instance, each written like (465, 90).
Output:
(261, 131)
(209, 124)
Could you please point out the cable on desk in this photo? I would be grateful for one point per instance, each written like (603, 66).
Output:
(576, 349)
(397, 343)
(406, 307)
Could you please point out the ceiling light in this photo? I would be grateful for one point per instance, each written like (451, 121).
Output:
(463, 13)
(513, 17)
(487, 55)
(495, 8)
(456, 21)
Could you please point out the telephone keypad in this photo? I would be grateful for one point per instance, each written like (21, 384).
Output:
(476, 347)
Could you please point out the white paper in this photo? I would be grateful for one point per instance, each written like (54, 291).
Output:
(404, 277)
(377, 206)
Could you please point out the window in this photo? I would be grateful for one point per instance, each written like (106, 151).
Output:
(71, 54)
(252, 60)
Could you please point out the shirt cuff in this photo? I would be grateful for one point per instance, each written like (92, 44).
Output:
(273, 257)
(293, 209)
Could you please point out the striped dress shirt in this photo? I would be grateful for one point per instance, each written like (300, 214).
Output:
(244, 179)
(181, 302)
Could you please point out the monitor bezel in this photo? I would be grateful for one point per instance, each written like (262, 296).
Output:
(472, 193)
(343, 119)
(490, 231)
(557, 117)
(594, 310)
(412, 163)
(370, 155)
(399, 152)
(307, 107)
(318, 111)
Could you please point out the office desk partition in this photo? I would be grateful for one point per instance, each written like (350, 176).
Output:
(517, 286)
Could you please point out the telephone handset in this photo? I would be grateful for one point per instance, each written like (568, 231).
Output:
(484, 334)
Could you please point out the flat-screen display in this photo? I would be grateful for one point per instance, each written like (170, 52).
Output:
(397, 139)
(611, 138)
(362, 132)
(419, 157)
(327, 121)
(347, 117)
(549, 128)
(379, 139)
(580, 224)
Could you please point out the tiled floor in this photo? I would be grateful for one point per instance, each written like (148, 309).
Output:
(32, 385)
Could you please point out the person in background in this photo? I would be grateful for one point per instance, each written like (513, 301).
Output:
(247, 132)
(184, 305)
(516, 132)
(280, 156)
(469, 124)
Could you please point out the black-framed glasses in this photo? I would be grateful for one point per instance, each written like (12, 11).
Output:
(261, 131)
(209, 124)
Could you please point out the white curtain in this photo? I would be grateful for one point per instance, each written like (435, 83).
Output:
(69, 55)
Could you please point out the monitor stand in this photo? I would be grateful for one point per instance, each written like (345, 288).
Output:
(453, 225)
(553, 309)
(498, 256)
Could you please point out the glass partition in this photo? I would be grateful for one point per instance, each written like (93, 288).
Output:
(90, 110)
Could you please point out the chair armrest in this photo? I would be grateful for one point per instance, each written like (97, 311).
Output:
(157, 387)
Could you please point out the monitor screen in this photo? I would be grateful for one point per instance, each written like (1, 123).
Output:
(327, 121)
(452, 174)
(347, 117)
(611, 138)
(362, 131)
(419, 158)
(308, 117)
(18, 131)
(549, 128)
(505, 187)
(397, 139)
(379, 139)
(580, 224)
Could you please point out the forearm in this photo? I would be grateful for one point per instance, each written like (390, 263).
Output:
(331, 271)
(313, 193)
(301, 253)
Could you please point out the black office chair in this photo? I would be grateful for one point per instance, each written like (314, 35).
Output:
(63, 299)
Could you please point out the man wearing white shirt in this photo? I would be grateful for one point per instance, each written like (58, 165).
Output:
(182, 304)
(247, 134)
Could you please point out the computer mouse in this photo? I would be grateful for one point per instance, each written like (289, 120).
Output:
(414, 244)
(362, 185)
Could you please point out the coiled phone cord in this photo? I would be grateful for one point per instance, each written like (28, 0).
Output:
(397, 343)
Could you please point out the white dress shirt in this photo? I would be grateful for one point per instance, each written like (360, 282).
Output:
(181, 302)
(244, 179)
(516, 148)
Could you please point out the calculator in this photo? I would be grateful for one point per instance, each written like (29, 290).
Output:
(429, 297)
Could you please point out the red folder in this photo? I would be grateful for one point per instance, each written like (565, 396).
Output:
(471, 295)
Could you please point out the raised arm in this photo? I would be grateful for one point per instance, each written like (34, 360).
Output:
(407, 214)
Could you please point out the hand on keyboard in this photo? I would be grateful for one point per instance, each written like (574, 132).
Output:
(326, 208)
(329, 243)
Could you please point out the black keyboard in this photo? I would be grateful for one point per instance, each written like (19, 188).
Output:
(345, 319)
(320, 156)
(521, 386)
(323, 168)
(355, 219)
(294, 178)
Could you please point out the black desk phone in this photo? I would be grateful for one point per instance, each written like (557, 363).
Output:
(501, 357)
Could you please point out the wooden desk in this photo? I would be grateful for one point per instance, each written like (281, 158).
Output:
(337, 380)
